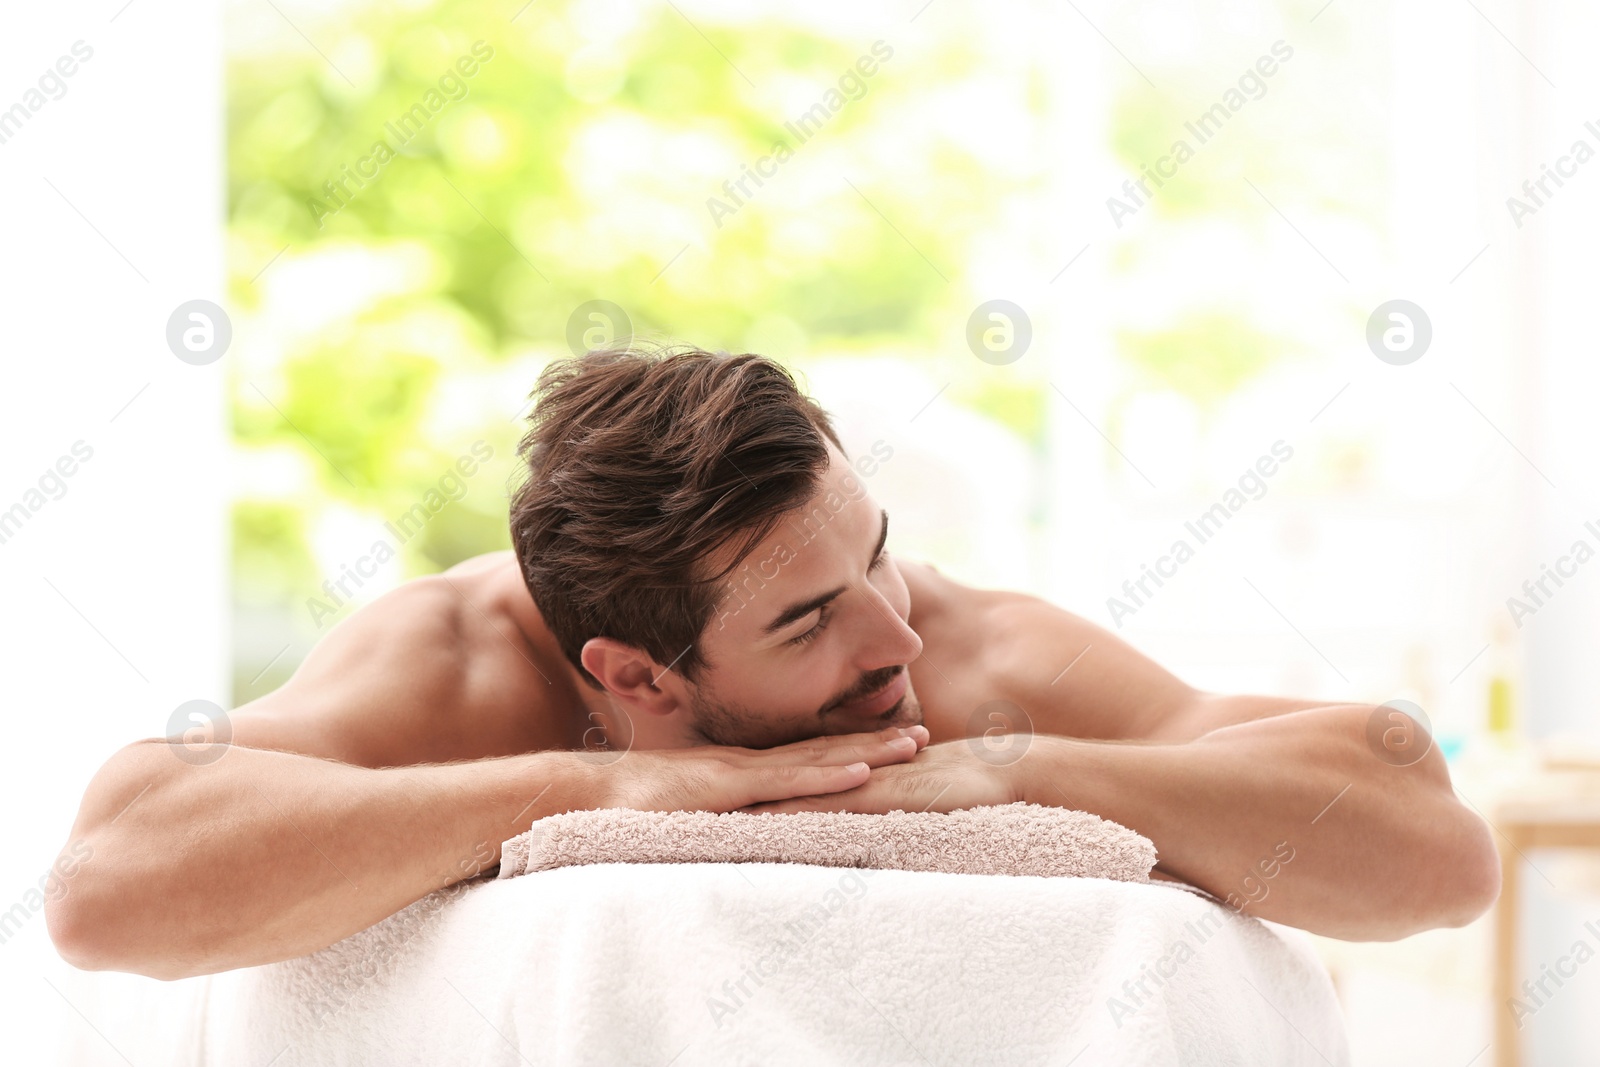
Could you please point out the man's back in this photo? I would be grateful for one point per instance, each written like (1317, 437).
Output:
(454, 666)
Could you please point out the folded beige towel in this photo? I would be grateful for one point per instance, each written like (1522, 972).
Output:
(1000, 839)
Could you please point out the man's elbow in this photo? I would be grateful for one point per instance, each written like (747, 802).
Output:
(83, 943)
(1461, 879)
(87, 936)
(1451, 882)
(1458, 877)
(65, 887)
(72, 933)
(1475, 865)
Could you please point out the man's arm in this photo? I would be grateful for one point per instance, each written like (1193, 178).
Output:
(1287, 809)
(1336, 818)
(263, 856)
(1290, 817)
(412, 743)
(337, 803)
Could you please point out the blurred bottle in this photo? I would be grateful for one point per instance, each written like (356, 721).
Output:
(1504, 714)
(1497, 758)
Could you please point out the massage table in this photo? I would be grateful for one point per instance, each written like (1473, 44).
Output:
(683, 965)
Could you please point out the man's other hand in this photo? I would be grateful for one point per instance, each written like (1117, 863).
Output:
(942, 777)
(727, 778)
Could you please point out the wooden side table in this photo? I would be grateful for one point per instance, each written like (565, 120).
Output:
(1558, 809)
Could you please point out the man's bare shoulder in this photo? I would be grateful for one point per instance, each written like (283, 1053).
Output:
(1070, 676)
(939, 597)
(988, 628)
(963, 658)
(457, 665)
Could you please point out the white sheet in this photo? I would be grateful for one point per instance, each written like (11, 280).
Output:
(621, 964)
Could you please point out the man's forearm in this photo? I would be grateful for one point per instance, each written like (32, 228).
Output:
(263, 856)
(1292, 818)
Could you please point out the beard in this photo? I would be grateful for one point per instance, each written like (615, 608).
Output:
(719, 723)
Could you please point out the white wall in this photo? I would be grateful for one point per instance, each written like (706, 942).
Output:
(112, 596)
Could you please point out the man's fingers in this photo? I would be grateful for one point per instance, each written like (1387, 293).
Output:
(879, 792)
(885, 746)
(782, 807)
(794, 780)
(877, 752)
(858, 800)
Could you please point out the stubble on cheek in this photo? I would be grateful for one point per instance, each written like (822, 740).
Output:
(734, 725)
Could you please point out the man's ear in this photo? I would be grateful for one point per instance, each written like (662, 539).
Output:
(631, 676)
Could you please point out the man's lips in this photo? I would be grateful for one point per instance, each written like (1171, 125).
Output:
(879, 702)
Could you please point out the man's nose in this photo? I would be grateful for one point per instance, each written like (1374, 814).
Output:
(893, 641)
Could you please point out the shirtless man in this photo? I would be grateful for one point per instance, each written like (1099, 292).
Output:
(701, 612)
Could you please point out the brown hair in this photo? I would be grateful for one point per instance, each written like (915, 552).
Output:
(641, 465)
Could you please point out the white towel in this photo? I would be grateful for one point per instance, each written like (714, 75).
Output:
(769, 964)
(1018, 838)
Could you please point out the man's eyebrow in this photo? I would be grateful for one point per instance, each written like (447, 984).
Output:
(799, 611)
(883, 538)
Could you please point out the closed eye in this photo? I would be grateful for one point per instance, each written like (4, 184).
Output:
(825, 614)
(816, 631)
(796, 612)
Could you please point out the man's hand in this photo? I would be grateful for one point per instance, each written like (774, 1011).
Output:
(943, 777)
(727, 778)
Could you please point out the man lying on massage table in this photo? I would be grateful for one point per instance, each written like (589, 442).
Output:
(701, 612)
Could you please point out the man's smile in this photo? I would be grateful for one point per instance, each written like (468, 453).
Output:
(884, 703)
